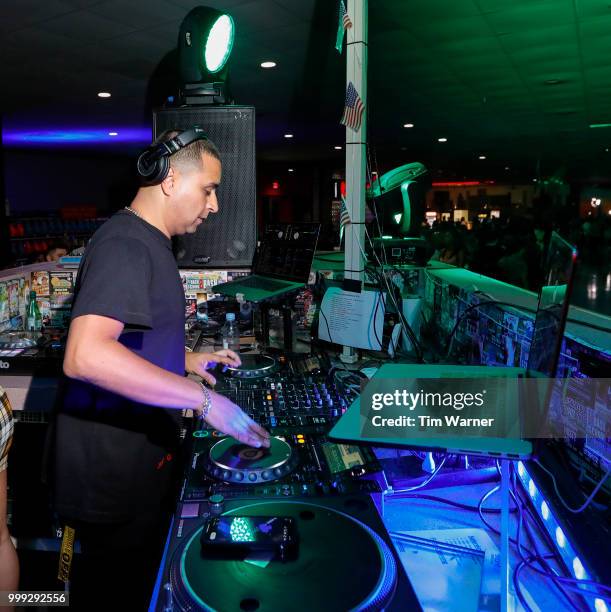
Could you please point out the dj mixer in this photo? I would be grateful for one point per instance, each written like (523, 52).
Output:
(345, 560)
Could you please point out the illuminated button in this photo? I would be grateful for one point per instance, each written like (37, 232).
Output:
(302, 441)
(269, 397)
(299, 436)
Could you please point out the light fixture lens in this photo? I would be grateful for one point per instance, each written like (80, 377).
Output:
(113, 133)
(600, 605)
(268, 64)
(482, 157)
(531, 488)
(544, 510)
(288, 135)
(219, 43)
(442, 140)
(506, 167)
(103, 94)
(398, 218)
(560, 539)
(521, 468)
(408, 125)
(337, 148)
(291, 170)
(578, 570)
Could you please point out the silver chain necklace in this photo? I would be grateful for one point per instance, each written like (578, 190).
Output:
(134, 212)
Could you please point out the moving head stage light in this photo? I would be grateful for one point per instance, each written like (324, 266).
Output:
(205, 42)
(397, 198)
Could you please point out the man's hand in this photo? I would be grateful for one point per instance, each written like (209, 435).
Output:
(225, 416)
(199, 363)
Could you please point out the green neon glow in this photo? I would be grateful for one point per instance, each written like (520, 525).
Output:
(398, 218)
(600, 125)
(386, 237)
(219, 43)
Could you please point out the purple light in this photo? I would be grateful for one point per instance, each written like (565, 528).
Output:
(72, 136)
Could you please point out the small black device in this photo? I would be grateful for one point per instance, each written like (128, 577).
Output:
(154, 162)
(399, 251)
(238, 537)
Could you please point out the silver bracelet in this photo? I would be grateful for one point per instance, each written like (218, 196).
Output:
(206, 403)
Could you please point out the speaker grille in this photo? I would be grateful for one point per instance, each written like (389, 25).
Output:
(226, 239)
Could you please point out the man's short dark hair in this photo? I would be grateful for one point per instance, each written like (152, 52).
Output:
(190, 157)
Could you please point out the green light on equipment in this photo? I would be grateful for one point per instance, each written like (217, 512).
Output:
(600, 125)
(240, 530)
(398, 218)
(386, 237)
(219, 43)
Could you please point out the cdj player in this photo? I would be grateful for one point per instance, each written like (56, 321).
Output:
(345, 559)
(32, 352)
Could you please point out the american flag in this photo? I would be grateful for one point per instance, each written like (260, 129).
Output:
(343, 24)
(353, 110)
(344, 17)
(344, 218)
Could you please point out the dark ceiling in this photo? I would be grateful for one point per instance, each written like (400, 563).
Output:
(519, 81)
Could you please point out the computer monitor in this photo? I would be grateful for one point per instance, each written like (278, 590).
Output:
(398, 200)
(553, 307)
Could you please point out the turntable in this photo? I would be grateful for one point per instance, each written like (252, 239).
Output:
(343, 564)
(232, 461)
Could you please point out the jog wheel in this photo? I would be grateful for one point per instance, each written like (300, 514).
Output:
(253, 366)
(233, 461)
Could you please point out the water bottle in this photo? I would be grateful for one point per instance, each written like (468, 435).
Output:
(231, 333)
(34, 320)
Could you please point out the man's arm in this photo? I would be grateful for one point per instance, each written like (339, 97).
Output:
(94, 355)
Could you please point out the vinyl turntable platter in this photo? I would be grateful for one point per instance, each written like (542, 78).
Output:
(342, 564)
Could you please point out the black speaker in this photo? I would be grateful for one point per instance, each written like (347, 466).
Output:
(228, 238)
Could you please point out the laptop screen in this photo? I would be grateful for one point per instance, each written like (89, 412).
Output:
(553, 307)
(286, 251)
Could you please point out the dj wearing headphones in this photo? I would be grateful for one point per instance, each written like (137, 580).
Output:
(116, 431)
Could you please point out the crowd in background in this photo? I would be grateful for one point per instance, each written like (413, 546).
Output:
(511, 249)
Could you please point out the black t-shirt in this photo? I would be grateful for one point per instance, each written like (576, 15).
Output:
(114, 457)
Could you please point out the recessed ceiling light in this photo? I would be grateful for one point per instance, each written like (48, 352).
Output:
(442, 140)
(268, 64)
(103, 94)
(337, 148)
(288, 135)
(408, 125)
(291, 170)
(482, 157)
(113, 133)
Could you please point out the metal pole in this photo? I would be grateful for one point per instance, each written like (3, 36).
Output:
(504, 565)
(356, 155)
